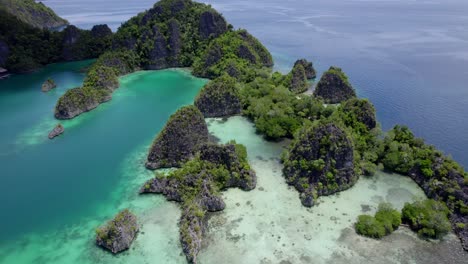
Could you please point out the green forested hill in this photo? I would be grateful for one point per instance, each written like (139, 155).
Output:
(32, 13)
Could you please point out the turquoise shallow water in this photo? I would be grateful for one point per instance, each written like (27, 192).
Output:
(55, 193)
(76, 181)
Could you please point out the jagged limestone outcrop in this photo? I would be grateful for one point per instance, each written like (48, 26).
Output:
(174, 33)
(308, 67)
(334, 87)
(299, 83)
(118, 234)
(320, 161)
(183, 134)
(197, 186)
(219, 98)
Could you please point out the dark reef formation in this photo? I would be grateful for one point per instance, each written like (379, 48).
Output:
(183, 134)
(118, 234)
(334, 87)
(197, 186)
(48, 85)
(57, 131)
(320, 161)
(219, 98)
(33, 13)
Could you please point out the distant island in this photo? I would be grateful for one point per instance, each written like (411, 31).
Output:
(335, 135)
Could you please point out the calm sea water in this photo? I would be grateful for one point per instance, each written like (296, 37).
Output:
(409, 57)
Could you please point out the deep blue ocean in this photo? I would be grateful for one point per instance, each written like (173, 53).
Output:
(410, 58)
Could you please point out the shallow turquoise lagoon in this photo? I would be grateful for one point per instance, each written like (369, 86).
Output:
(55, 193)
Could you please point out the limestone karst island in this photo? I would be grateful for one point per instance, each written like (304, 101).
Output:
(233, 132)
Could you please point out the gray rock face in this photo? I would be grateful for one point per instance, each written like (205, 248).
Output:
(299, 82)
(245, 53)
(175, 44)
(219, 98)
(101, 31)
(70, 37)
(185, 131)
(57, 131)
(4, 53)
(159, 52)
(212, 24)
(320, 162)
(119, 233)
(334, 87)
(308, 67)
(48, 85)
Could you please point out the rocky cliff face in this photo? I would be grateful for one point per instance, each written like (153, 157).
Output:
(197, 185)
(71, 35)
(320, 161)
(219, 98)
(212, 24)
(334, 87)
(4, 53)
(185, 131)
(308, 68)
(299, 83)
(101, 31)
(118, 234)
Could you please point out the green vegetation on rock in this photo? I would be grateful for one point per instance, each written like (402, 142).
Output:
(179, 140)
(320, 161)
(428, 218)
(118, 234)
(334, 87)
(197, 186)
(385, 221)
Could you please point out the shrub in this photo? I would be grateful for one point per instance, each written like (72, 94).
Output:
(428, 218)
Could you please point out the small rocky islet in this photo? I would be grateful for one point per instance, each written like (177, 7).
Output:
(336, 136)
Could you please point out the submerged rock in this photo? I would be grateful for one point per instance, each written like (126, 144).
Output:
(57, 131)
(219, 98)
(185, 131)
(308, 67)
(48, 85)
(320, 161)
(118, 234)
(334, 87)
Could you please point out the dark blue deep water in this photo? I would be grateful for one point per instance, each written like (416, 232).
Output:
(409, 57)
